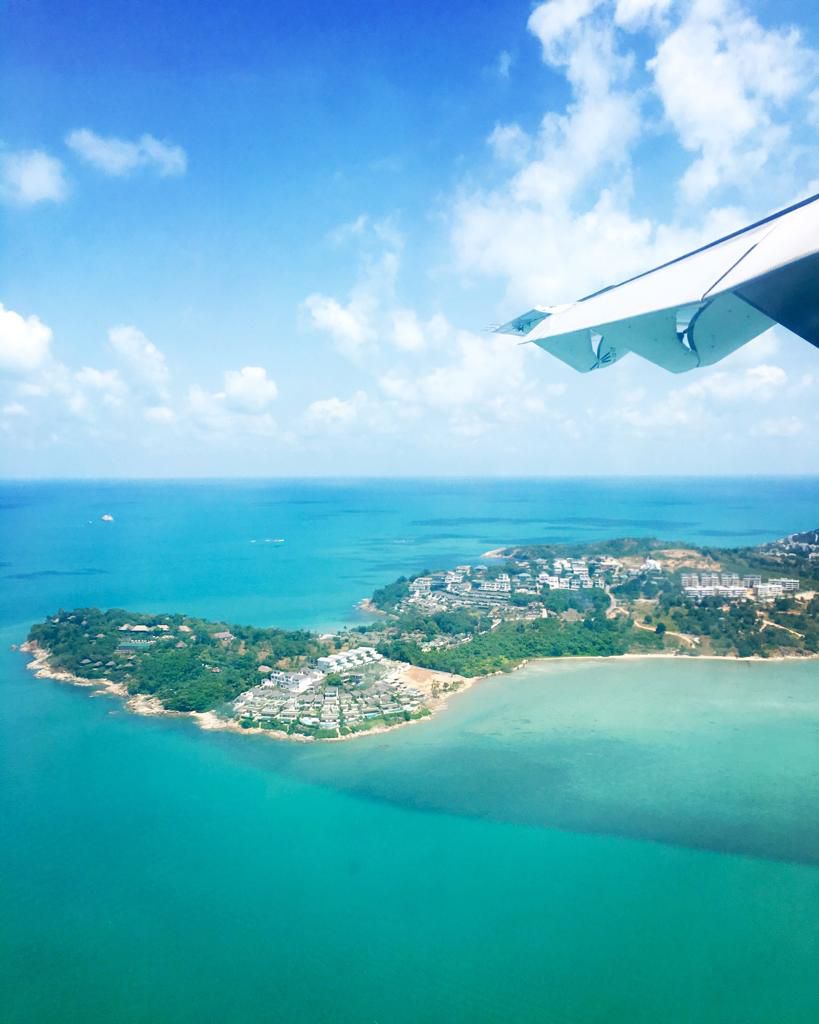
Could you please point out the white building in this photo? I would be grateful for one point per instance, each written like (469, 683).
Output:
(788, 585)
(296, 682)
(344, 661)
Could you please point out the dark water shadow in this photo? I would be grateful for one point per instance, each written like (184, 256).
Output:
(713, 780)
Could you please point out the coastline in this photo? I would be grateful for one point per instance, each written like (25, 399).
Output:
(210, 721)
(366, 605)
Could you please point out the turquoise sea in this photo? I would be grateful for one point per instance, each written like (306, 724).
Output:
(624, 841)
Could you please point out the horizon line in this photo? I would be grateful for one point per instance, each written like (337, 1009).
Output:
(437, 478)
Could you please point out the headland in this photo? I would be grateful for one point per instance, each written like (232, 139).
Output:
(437, 632)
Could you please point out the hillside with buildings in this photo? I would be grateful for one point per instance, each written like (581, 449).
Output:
(442, 627)
(293, 682)
(627, 595)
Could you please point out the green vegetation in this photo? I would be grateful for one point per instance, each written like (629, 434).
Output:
(457, 622)
(191, 664)
(739, 628)
(186, 665)
(594, 601)
(386, 598)
(512, 642)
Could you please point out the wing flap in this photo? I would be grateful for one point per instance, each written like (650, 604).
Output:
(723, 325)
(655, 338)
(698, 308)
(790, 296)
(667, 288)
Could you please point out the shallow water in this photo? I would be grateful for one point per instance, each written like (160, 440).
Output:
(715, 755)
(584, 842)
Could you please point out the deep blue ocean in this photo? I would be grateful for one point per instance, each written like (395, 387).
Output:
(200, 547)
(578, 843)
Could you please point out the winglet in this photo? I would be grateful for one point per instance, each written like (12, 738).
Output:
(524, 323)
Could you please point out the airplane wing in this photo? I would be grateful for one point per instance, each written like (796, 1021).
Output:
(698, 308)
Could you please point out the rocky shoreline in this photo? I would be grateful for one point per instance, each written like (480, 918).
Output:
(209, 721)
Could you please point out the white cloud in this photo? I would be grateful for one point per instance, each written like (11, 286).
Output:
(356, 327)
(563, 220)
(332, 414)
(553, 21)
(784, 426)
(484, 368)
(504, 64)
(145, 363)
(723, 80)
(717, 395)
(509, 142)
(411, 334)
(14, 409)
(24, 342)
(249, 389)
(407, 333)
(342, 233)
(81, 393)
(107, 384)
(31, 176)
(634, 14)
(548, 227)
(120, 157)
(159, 414)
(759, 382)
(348, 326)
(398, 388)
(483, 383)
(241, 408)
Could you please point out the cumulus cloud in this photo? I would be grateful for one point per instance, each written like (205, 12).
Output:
(544, 228)
(31, 176)
(637, 13)
(107, 384)
(24, 342)
(249, 389)
(159, 414)
(509, 142)
(483, 368)
(348, 326)
(553, 21)
(371, 317)
(332, 414)
(722, 79)
(783, 426)
(120, 157)
(406, 330)
(562, 221)
(482, 381)
(476, 383)
(56, 390)
(240, 408)
(411, 334)
(760, 382)
(145, 363)
(697, 404)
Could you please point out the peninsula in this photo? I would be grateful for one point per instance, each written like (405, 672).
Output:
(440, 630)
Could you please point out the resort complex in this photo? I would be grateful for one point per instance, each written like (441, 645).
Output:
(429, 633)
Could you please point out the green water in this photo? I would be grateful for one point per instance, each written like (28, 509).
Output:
(577, 843)
(151, 872)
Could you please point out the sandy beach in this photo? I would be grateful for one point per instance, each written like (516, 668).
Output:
(438, 689)
(144, 704)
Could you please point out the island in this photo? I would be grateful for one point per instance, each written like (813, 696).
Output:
(436, 632)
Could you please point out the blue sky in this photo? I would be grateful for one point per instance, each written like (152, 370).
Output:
(260, 239)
